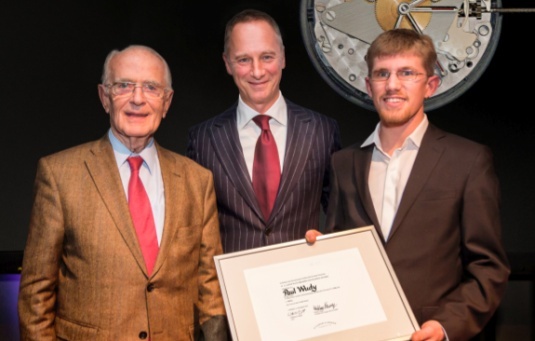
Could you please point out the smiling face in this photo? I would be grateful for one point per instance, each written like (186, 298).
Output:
(134, 117)
(400, 102)
(255, 59)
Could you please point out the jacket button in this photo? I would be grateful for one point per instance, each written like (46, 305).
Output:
(150, 287)
(143, 335)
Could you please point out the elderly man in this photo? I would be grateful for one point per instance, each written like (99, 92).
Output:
(123, 232)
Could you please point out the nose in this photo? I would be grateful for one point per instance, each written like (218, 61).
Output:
(393, 81)
(138, 96)
(257, 69)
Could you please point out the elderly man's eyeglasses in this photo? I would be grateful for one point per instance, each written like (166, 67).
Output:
(127, 88)
(404, 75)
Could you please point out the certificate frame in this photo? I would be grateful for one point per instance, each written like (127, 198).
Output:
(342, 287)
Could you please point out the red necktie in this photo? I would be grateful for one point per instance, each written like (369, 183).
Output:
(141, 213)
(266, 167)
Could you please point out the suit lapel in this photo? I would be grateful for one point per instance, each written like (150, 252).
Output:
(102, 167)
(173, 182)
(226, 143)
(426, 161)
(300, 137)
(364, 157)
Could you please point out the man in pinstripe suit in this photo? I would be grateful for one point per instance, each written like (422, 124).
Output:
(254, 57)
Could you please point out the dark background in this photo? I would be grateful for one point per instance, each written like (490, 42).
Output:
(52, 54)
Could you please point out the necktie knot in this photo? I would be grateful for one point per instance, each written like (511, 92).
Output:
(135, 162)
(262, 121)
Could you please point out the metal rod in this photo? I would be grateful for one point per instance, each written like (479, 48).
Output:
(512, 10)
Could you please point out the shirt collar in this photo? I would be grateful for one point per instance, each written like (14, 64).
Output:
(149, 153)
(415, 137)
(278, 111)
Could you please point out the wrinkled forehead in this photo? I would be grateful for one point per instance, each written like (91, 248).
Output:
(137, 65)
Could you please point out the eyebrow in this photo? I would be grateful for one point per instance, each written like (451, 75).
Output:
(128, 80)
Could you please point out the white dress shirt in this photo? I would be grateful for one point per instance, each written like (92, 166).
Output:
(389, 174)
(249, 131)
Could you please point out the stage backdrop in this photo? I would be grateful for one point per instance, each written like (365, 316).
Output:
(52, 55)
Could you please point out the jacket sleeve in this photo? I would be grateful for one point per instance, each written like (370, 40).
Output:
(40, 267)
(486, 269)
(212, 312)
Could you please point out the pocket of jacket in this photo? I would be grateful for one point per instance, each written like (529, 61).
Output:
(67, 330)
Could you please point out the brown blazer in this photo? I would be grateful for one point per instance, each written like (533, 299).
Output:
(83, 274)
(445, 245)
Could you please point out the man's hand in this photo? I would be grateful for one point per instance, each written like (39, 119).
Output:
(429, 331)
(311, 235)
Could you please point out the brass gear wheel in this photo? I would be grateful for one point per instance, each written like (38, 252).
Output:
(387, 14)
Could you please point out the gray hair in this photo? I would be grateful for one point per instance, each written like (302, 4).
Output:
(106, 70)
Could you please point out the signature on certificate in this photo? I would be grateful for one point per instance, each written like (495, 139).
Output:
(326, 307)
(292, 314)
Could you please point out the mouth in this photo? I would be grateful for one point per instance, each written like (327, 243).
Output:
(257, 84)
(394, 99)
(394, 102)
(134, 114)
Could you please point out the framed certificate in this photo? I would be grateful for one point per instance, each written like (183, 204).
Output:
(340, 288)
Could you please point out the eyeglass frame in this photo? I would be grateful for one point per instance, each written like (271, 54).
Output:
(137, 85)
(398, 72)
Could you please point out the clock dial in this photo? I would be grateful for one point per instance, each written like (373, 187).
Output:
(337, 34)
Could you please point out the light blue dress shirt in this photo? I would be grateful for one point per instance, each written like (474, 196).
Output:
(150, 174)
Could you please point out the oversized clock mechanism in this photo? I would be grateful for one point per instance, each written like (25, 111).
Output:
(337, 34)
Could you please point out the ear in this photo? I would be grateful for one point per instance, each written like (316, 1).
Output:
(167, 104)
(433, 83)
(104, 98)
(227, 64)
(368, 86)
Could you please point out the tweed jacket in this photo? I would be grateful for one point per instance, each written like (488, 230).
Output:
(83, 273)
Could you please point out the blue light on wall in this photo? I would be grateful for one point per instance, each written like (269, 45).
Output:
(9, 292)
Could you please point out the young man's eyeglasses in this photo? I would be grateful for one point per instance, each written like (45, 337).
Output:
(404, 75)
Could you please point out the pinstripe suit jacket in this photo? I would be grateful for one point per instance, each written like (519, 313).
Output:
(83, 273)
(445, 244)
(304, 188)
